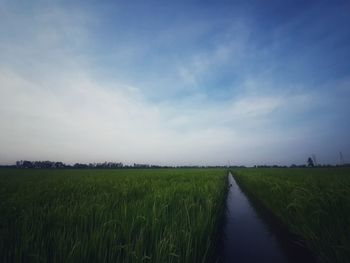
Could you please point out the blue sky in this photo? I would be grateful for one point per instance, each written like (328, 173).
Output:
(175, 82)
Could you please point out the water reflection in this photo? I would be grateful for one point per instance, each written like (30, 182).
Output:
(250, 234)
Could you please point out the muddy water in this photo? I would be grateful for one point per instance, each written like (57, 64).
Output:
(252, 235)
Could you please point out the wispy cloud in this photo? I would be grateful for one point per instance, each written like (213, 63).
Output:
(64, 96)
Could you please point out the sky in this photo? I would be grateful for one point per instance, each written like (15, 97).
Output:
(175, 82)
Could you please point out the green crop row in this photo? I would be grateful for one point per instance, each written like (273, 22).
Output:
(313, 203)
(161, 215)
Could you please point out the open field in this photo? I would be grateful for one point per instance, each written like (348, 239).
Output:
(313, 203)
(161, 215)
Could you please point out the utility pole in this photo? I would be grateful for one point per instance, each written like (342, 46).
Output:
(341, 158)
(314, 159)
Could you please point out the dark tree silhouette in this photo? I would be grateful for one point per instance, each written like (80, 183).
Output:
(310, 162)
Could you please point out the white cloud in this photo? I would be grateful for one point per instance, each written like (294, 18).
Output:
(229, 49)
(54, 106)
(256, 106)
(75, 118)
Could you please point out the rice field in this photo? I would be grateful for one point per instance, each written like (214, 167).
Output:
(128, 215)
(160, 215)
(314, 203)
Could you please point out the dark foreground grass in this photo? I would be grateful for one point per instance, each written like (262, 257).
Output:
(168, 215)
(313, 203)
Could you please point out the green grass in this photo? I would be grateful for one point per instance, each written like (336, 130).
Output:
(168, 215)
(313, 203)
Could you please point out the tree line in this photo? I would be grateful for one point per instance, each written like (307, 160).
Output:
(120, 165)
(50, 164)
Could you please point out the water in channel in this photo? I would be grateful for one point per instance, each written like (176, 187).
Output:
(252, 235)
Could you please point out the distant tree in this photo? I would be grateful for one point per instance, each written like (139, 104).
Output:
(310, 162)
(27, 164)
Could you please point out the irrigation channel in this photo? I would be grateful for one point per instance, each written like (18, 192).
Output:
(252, 234)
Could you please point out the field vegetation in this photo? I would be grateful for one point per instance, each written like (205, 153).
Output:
(313, 202)
(130, 215)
